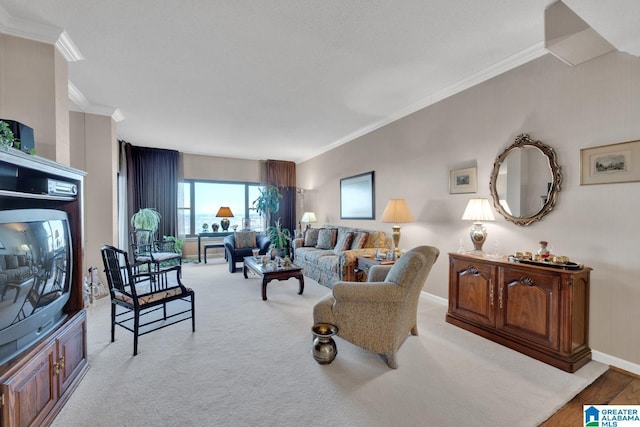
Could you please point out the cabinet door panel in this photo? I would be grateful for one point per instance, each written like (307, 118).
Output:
(473, 287)
(72, 347)
(529, 306)
(33, 391)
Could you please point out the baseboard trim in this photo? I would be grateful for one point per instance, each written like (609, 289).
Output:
(436, 299)
(596, 355)
(601, 357)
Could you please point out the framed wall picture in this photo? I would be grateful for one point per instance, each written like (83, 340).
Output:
(463, 181)
(357, 197)
(612, 163)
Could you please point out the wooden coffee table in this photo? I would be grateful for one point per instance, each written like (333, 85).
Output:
(270, 273)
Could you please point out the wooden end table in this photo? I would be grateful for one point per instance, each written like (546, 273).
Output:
(364, 265)
(268, 273)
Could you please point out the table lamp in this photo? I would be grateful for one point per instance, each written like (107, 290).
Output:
(478, 210)
(224, 212)
(397, 211)
(309, 217)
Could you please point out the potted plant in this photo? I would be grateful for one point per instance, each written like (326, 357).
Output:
(279, 238)
(146, 219)
(176, 243)
(268, 203)
(7, 138)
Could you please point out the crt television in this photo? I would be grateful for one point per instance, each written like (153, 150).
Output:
(35, 276)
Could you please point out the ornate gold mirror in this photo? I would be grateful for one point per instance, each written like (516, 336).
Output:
(525, 181)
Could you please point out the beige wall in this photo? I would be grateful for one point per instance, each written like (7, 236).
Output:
(61, 90)
(595, 103)
(219, 168)
(95, 150)
(34, 91)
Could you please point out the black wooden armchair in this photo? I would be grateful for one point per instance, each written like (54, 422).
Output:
(145, 302)
(146, 249)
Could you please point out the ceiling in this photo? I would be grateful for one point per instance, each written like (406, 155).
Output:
(286, 79)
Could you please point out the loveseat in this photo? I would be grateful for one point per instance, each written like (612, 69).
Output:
(13, 269)
(241, 244)
(329, 254)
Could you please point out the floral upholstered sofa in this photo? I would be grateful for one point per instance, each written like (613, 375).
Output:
(329, 254)
(13, 268)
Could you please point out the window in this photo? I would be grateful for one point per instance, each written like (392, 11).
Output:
(199, 201)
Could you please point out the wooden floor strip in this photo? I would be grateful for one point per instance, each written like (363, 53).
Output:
(614, 387)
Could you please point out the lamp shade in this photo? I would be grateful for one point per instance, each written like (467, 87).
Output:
(224, 212)
(478, 210)
(397, 211)
(309, 217)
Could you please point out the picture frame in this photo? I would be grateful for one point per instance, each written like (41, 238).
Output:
(608, 164)
(357, 196)
(463, 180)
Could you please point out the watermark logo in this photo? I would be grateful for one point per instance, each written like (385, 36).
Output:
(611, 415)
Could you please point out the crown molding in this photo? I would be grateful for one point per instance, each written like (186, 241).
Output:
(493, 70)
(68, 48)
(77, 97)
(43, 33)
(509, 63)
(83, 105)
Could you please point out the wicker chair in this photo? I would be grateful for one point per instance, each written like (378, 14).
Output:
(146, 249)
(145, 302)
(377, 315)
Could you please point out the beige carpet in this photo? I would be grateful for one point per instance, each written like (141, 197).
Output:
(249, 364)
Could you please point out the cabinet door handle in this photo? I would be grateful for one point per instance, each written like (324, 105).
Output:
(62, 363)
(56, 368)
(491, 294)
(500, 295)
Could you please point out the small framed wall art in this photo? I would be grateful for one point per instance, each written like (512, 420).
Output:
(463, 181)
(612, 163)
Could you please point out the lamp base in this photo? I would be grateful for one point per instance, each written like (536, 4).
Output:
(224, 223)
(478, 236)
(396, 241)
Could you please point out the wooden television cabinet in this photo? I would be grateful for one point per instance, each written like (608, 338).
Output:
(35, 384)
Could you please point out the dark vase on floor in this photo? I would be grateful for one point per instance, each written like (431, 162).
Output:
(324, 347)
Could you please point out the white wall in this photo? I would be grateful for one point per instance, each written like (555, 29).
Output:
(568, 108)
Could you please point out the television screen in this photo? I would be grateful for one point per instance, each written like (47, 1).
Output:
(35, 275)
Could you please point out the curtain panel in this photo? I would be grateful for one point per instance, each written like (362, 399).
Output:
(282, 174)
(152, 182)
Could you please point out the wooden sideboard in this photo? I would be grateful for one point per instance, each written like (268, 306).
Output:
(540, 311)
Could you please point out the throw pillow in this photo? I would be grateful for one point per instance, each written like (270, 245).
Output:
(377, 239)
(245, 239)
(326, 238)
(311, 237)
(12, 261)
(359, 240)
(22, 260)
(344, 243)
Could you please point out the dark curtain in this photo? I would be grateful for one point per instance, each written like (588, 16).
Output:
(283, 175)
(152, 182)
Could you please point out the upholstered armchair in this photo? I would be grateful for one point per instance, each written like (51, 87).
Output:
(379, 314)
(241, 244)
